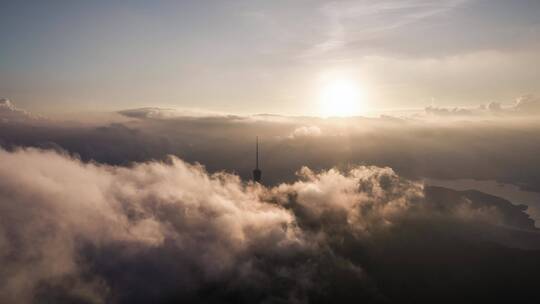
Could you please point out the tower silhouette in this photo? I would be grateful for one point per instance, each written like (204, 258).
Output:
(257, 173)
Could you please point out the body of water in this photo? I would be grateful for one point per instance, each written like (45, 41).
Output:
(507, 191)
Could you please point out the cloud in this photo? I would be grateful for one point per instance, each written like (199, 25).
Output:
(526, 105)
(10, 113)
(168, 231)
(357, 26)
(409, 28)
(305, 131)
(363, 199)
(440, 111)
(212, 224)
(149, 113)
(164, 113)
(494, 106)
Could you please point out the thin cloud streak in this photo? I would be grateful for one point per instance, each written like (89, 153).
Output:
(342, 34)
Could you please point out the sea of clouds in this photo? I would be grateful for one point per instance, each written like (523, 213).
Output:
(79, 232)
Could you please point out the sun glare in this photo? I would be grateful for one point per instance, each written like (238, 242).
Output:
(341, 98)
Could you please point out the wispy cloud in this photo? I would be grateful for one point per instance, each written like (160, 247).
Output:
(350, 21)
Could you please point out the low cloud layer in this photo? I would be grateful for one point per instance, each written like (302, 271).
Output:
(527, 105)
(441, 146)
(169, 231)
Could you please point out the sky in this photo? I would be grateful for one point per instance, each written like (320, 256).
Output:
(247, 57)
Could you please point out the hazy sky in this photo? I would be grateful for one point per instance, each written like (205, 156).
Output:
(265, 56)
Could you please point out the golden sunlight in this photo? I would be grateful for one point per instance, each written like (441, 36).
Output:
(341, 98)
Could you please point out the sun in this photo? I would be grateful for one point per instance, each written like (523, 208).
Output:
(341, 98)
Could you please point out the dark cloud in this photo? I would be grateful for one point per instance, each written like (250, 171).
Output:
(161, 113)
(163, 232)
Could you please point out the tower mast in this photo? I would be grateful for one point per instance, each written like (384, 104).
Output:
(257, 173)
